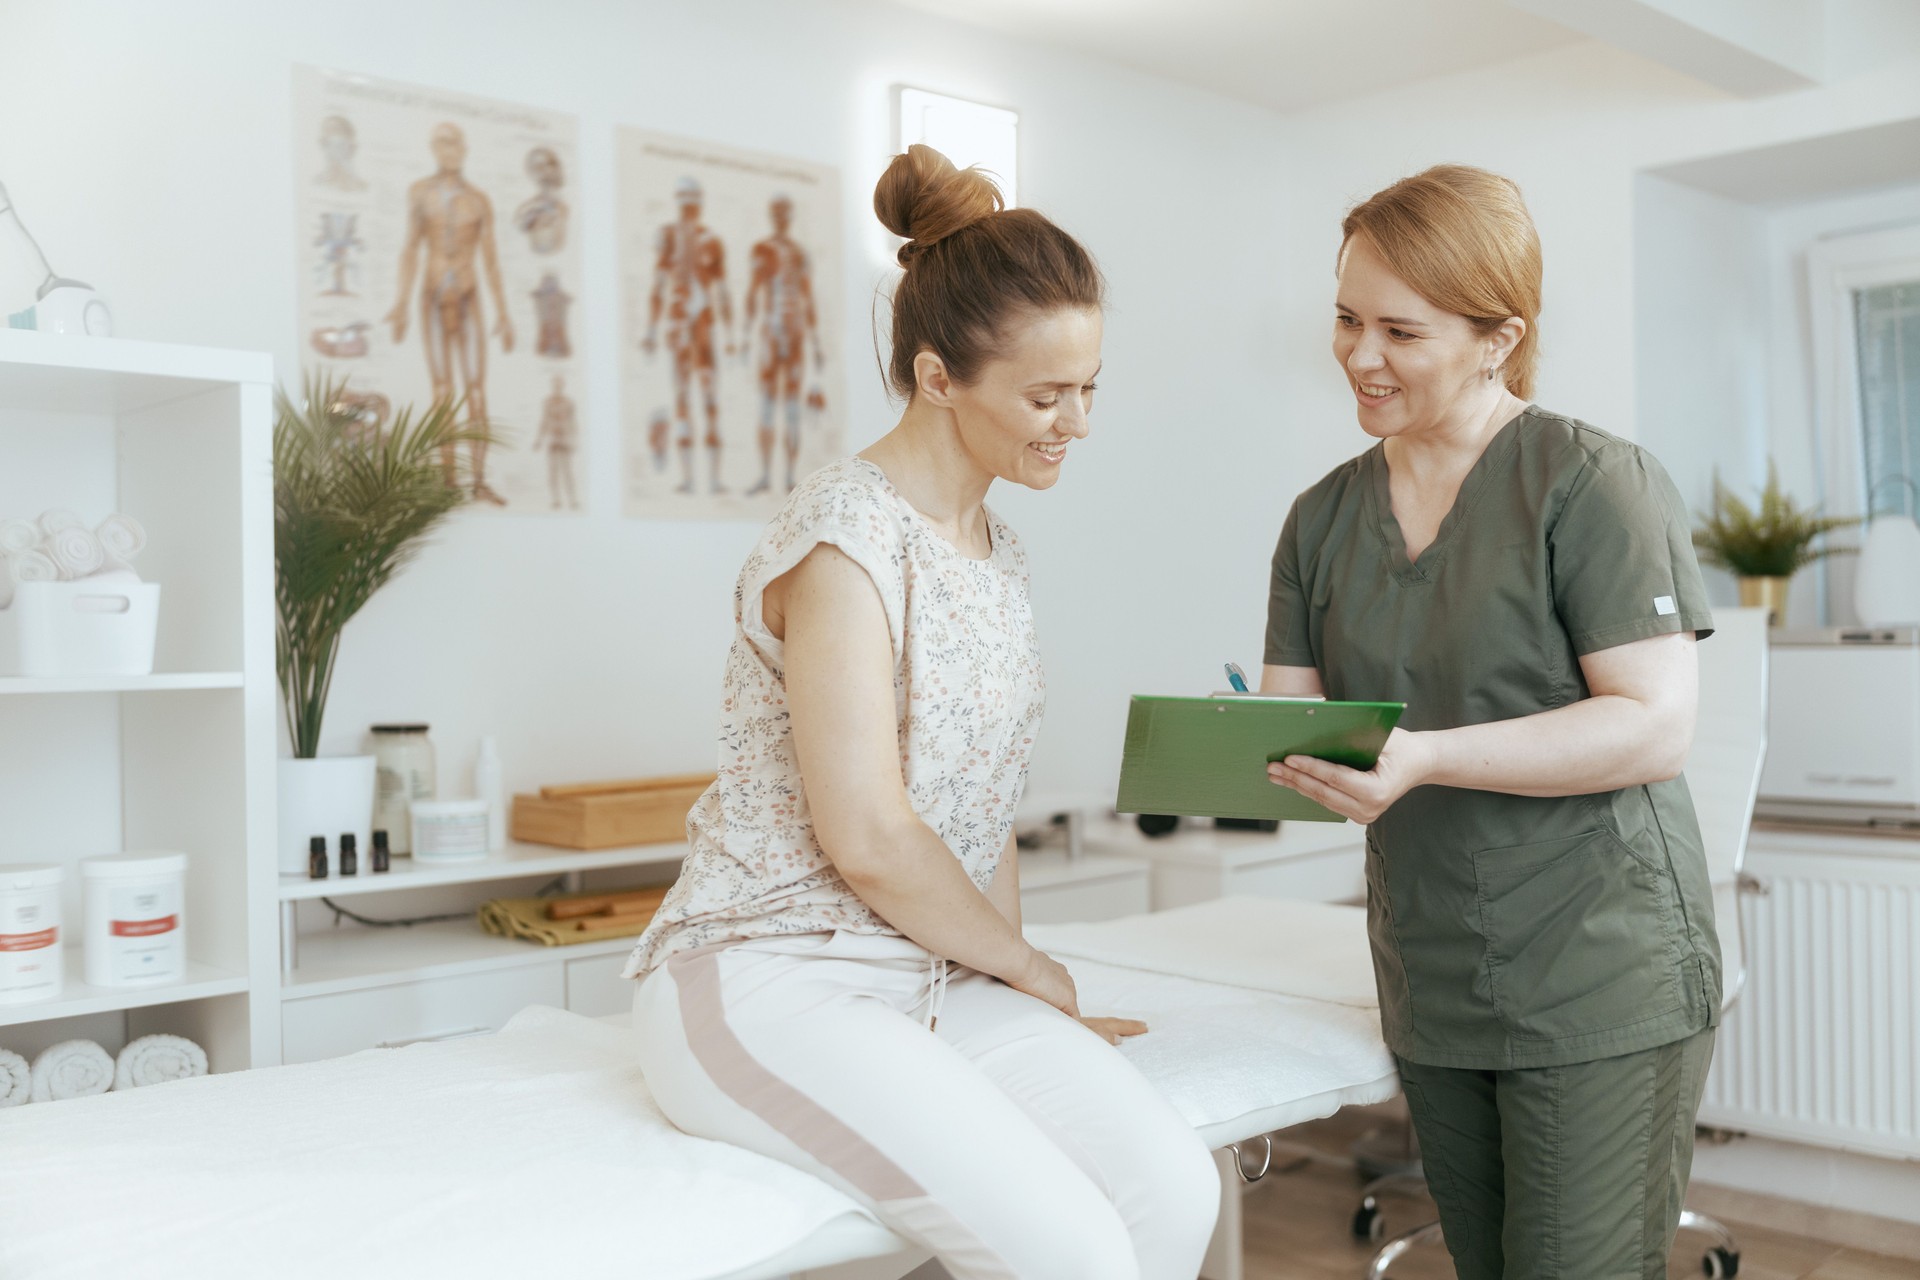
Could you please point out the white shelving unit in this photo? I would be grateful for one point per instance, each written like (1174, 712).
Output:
(180, 438)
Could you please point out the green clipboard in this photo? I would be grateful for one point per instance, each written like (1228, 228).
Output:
(1207, 757)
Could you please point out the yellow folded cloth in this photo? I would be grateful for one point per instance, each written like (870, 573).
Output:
(527, 918)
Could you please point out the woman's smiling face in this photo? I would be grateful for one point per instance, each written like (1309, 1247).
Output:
(1412, 366)
(1017, 419)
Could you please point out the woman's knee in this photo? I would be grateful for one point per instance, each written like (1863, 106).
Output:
(1187, 1203)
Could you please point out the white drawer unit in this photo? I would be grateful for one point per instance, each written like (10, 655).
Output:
(595, 987)
(1056, 889)
(326, 1026)
(1312, 861)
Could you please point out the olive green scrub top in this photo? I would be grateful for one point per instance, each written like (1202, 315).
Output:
(1512, 931)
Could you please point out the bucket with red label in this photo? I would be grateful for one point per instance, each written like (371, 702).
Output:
(136, 928)
(30, 955)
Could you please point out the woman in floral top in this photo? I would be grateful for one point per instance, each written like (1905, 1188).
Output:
(838, 979)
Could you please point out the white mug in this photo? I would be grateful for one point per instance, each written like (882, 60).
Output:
(73, 308)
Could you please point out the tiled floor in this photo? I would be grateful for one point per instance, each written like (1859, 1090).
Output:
(1297, 1226)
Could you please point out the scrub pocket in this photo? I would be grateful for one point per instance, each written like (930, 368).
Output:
(1578, 936)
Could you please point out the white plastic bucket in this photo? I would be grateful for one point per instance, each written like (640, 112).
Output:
(449, 830)
(30, 952)
(80, 628)
(136, 929)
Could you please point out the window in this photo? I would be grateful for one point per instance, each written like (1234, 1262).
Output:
(1886, 326)
(1865, 318)
(967, 133)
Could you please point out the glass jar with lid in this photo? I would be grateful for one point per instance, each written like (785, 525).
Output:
(404, 771)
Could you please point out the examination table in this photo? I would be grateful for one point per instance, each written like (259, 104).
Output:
(538, 1151)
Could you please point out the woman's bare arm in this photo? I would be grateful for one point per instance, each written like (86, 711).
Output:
(839, 681)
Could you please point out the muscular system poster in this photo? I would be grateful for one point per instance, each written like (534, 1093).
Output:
(439, 256)
(731, 382)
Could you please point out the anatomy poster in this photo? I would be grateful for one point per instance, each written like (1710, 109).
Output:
(730, 288)
(438, 242)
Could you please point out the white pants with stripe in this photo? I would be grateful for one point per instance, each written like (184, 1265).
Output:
(1008, 1139)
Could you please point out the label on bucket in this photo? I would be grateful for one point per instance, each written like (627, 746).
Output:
(143, 928)
(143, 939)
(29, 941)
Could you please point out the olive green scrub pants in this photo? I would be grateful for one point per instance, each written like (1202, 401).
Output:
(1561, 1173)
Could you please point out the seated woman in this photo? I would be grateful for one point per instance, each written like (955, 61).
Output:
(838, 979)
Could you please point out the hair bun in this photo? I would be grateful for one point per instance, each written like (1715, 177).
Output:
(924, 198)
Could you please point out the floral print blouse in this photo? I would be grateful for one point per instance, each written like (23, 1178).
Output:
(967, 685)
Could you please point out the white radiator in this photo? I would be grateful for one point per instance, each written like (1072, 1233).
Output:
(1823, 1044)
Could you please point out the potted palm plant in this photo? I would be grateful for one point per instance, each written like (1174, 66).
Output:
(1764, 546)
(354, 499)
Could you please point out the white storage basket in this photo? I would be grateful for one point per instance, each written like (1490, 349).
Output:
(79, 629)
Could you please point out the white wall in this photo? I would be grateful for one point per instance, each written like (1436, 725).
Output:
(1700, 335)
(150, 149)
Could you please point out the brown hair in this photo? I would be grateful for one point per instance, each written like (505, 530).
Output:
(973, 267)
(1462, 239)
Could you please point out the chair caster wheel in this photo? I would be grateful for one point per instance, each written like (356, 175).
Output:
(1720, 1264)
(1369, 1225)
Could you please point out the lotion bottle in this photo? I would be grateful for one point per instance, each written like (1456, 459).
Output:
(487, 786)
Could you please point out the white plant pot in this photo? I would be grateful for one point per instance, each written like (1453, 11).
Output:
(327, 797)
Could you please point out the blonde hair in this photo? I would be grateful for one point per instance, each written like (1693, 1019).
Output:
(1461, 237)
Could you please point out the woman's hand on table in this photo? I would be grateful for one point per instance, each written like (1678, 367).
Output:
(1044, 978)
(1405, 762)
(1114, 1030)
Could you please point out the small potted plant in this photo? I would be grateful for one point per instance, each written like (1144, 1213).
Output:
(1764, 546)
(354, 498)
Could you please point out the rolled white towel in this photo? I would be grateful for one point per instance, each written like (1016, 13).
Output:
(16, 1079)
(72, 1069)
(76, 551)
(18, 535)
(54, 519)
(6, 579)
(33, 566)
(122, 536)
(157, 1059)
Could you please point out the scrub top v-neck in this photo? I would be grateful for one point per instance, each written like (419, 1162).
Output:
(1512, 931)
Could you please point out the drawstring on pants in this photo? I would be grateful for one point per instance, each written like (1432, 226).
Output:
(936, 989)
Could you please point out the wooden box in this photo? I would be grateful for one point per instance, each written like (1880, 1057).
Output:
(608, 815)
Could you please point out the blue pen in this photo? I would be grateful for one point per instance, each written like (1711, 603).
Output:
(1236, 677)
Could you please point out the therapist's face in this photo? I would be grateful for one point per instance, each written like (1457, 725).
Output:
(1411, 366)
(1017, 418)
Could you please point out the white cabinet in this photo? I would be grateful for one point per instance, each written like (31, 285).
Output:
(1056, 889)
(1313, 861)
(403, 1013)
(595, 988)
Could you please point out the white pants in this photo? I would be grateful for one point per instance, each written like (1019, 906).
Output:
(1008, 1139)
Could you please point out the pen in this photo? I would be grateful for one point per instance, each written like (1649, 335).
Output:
(1236, 677)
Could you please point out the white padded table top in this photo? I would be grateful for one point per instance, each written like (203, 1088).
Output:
(539, 1149)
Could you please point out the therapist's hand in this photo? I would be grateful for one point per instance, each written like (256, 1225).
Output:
(1404, 763)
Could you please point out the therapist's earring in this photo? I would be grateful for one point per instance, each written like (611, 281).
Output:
(1490, 369)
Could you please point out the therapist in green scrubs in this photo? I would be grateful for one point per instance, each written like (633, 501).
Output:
(1537, 894)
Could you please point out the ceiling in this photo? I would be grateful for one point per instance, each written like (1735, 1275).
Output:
(1283, 54)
